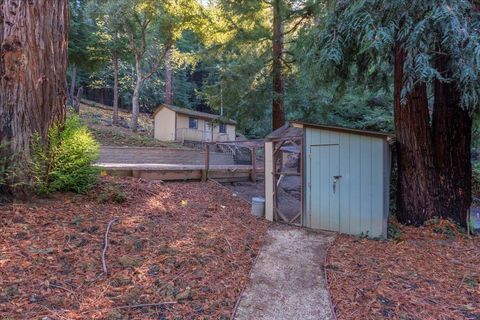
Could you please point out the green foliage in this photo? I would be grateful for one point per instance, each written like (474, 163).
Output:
(64, 162)
(363, 33)
(83, 38)
(14, 172)
(393, 232)
(476, 179)
(222, 57)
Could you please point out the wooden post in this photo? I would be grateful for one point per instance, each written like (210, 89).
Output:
(207, 163)
(253, 175)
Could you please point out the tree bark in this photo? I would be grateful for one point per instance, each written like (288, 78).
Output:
(71, 95)
(136, 95)
(278, 109)
(168, 77)
(417, 181)
(115, 87)
(452, 133)
(78, 100)
(33, 62)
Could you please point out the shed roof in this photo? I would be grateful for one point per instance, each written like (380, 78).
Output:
(295, 129)
(194, 113)
(286, 131)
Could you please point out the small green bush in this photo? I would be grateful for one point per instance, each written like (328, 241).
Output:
(64, 162)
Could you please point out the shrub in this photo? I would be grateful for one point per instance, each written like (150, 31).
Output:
(64, 162)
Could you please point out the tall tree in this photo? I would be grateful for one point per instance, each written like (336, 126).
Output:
(152, 28)
(168, 77)
(112, 43)
(436, 47)
(82, 37)
(253, 23)
(33, 61)
(278, 103)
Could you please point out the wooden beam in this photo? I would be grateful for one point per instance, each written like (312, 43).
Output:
(207, 163)
(278, 147)
(269, 182)
(254, 164)
(288, 173)
(282, 215)
(296, 217)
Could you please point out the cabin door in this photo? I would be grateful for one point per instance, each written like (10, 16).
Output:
(208, 132)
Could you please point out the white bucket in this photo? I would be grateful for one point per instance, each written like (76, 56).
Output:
(258, 207)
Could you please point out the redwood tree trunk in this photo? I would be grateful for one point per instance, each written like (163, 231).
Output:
(168, 77)
(33, 62)
(452, 131)
(417, 181)
(278, 109)
(115, 87)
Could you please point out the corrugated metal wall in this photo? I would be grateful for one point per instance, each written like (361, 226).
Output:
(358, 201)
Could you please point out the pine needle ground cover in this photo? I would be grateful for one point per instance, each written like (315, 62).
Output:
(190, 245)
(428, 273)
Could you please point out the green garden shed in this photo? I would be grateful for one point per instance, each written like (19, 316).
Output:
(344, 177)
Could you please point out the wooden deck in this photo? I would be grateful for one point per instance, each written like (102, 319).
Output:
(181, 172)
(175, 164)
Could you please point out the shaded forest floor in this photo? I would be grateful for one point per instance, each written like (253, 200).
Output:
(99, 120)
(428, 273)
(191, 244)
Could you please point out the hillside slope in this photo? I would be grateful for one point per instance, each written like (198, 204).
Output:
(99, 119)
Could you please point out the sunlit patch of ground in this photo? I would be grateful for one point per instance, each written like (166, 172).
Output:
(188, 244)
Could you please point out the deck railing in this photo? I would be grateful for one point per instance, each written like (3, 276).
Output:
(187, 134)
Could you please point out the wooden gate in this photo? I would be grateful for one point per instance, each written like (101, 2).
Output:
(286, 166)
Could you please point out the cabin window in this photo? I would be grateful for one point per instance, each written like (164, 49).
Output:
(193, 123)
(223, 128)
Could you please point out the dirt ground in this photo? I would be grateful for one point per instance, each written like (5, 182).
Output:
(431, 272)
(287, 280)
(189, 245)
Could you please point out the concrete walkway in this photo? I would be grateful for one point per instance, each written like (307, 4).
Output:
(287, 282)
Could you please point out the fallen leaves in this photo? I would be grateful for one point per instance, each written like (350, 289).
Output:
(431, 273)
(189, 243)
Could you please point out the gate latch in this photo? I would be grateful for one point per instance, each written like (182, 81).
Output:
(335, 179)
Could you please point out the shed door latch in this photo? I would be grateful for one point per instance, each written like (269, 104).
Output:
(335, 179)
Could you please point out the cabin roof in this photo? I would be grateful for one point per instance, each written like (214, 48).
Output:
(194, 113)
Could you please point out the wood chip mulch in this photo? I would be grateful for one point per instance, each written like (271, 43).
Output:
(191, 245)
(431, 272)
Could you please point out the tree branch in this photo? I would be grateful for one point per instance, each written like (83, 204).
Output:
(157, 63)
(105, 246)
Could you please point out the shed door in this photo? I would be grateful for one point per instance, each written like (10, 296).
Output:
(324, 184)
